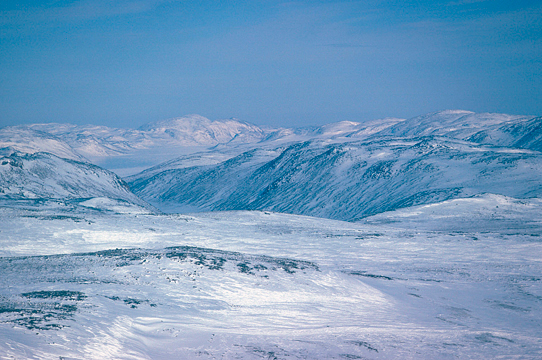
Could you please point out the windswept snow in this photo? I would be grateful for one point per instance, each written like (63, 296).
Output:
(42, 176)
(457, 124)
(521, 134)
(257, 284)
(198, 130)
(31, 141)
(346, 180)
(129, 150)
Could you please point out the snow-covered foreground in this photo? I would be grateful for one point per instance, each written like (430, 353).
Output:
(259, 285)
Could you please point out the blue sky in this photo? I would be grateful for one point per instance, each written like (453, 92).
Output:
(124, 63)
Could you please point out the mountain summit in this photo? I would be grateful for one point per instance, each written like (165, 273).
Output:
(198, 130)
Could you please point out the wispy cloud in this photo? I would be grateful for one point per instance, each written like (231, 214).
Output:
(77, 11)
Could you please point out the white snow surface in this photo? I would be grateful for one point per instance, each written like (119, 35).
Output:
(340, 180)
(129, 151)
(198, 130)
(46, 176)
(253, 285)
(167, 139)
(458, 124)
(519, 134)
(13, 139)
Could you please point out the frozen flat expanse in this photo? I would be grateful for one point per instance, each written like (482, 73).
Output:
(81, 283)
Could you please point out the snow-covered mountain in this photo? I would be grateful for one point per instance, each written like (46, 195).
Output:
(198, 130)
(515, 131)
(128, 151)
(43, 176)
(27, 140)
(322, 171)
(458, 124)
(189, 130)
(523, 134)
(345, 180)
(355, 129)
(94, 142)
(338, 131)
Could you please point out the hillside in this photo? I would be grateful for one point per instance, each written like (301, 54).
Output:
(526, 134)
(457, 124)
(43, 177)
(344, 170)
(345, 180)
(28, 140)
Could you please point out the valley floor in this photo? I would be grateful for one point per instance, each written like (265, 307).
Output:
(261, 285)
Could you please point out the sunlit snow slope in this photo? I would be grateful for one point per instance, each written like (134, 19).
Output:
(43, 176)
(31, 141)
(128, 151)
(345, 180)
(253, 285)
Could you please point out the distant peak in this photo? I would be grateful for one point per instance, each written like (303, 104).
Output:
(183, 121)
(445, 113)
(453, 112)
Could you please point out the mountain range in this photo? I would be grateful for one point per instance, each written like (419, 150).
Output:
(345, 181)
(346, 170)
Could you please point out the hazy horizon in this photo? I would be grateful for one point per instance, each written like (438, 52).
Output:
(293, 64)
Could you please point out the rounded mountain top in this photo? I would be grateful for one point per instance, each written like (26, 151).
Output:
(200, 130)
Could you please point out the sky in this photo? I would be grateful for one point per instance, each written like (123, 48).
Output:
(125, 63)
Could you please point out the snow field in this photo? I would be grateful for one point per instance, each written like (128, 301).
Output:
(258, 285)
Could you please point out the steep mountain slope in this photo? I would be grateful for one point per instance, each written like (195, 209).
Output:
(43, 176)
(235, 141)
(203, 158)
(525, 134)
(346, 180)
(275, 141)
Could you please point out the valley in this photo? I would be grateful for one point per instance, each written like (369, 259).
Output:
(391, 239)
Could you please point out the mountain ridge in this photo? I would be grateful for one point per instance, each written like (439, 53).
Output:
(338, 170)
(347, 180)
(44, 176)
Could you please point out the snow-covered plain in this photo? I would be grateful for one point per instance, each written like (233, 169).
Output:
(80, 282)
